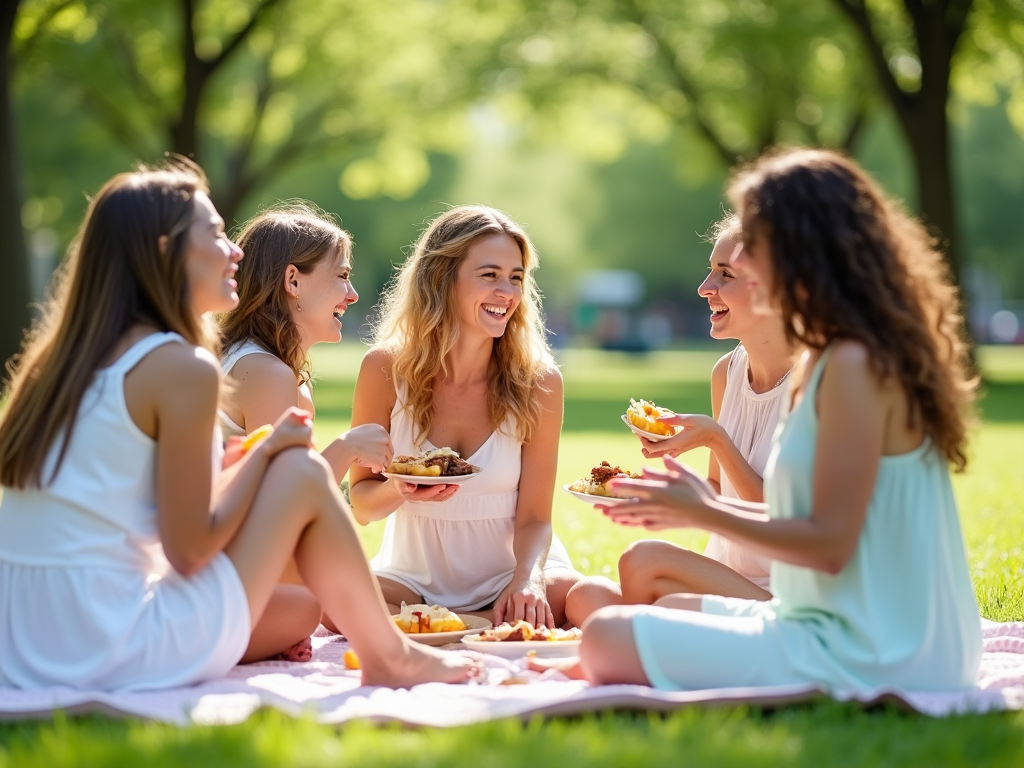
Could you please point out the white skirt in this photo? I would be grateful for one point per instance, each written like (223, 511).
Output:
(111, 629)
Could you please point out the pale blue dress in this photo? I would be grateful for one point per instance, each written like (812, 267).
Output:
(902, 613)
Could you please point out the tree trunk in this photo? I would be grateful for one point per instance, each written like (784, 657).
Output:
(15, 288)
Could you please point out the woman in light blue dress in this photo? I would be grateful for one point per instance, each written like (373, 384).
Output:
(870, 579)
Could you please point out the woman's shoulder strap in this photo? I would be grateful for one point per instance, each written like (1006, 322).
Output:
(141, 348)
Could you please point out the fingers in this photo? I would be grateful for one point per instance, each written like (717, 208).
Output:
(677, 419)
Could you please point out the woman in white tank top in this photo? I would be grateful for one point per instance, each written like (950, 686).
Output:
(135, 554)
(461, 361)
(747, 388)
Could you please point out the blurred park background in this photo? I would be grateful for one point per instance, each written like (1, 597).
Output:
(606, 127)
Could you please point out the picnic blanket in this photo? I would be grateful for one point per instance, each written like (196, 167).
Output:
(325, 690)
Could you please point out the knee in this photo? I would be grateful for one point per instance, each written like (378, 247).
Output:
(636, 562)
(301, 470)
(606, 635)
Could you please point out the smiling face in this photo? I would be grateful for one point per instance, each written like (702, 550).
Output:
(324, 294)
(728, 294)
(211, 260)
(489, 285)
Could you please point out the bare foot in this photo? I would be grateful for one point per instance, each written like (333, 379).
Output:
(301, 651)
(422, 664)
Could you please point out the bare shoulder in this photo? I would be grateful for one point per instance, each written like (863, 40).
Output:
(849, 362)
(264, 368)
(180, 372)
(721, 369)
(550, 385)
(376, 366)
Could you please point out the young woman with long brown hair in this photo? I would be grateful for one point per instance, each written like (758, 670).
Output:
(460, 359)
(129, 559)
(870, 578)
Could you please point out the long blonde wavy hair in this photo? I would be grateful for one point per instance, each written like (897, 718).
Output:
(296, 232)
(116, 276)
(850, 264)
(418, 322)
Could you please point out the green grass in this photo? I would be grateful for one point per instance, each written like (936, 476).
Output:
(598, 386)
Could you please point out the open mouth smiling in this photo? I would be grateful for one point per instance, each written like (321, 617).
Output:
(495, 311)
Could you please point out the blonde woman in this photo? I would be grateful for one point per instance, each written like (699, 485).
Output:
(460, 359)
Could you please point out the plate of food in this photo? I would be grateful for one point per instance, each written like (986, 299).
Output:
(594, 488)
(436, 625)
(434, 467)
(513, 641)
(642, 418)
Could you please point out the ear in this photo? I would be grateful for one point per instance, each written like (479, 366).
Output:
(291, 280)
(161, 243)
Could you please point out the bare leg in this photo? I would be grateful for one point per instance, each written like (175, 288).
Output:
(559, 583)
(682, 602)
(608, 652)
(291, 617)
(299, 510)
(588, 595)
(651, 569)
(395, 594)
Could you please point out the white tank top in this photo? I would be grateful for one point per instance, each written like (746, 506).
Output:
(100, 509)
(750, 419)
(228, 359)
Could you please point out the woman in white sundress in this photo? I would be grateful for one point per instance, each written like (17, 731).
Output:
(747, 392)
(460, 360)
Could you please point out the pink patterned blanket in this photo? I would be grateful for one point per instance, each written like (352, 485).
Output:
(332, 694)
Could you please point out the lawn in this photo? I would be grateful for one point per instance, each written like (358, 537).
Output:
(598, 386)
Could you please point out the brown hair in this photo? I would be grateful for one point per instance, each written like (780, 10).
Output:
(850, 264)
(419, 321)
(295, 232)
(116, 276)
(729, 226)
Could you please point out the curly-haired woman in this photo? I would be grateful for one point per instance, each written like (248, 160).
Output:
(870, 578)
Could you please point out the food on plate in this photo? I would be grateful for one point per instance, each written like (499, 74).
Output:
(421, 619)
(256, 436)
(350, 660)
(524, 631)
(597, 483)
(643, 414)
(440, 462)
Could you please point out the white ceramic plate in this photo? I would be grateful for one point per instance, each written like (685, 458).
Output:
(592, 499)
(644, 433)
(516, 650)
(417, 480)
(474, 625)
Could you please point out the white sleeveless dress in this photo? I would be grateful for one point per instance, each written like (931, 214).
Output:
(458, 553)
(228, 359)
(87, 598)
(750, 419)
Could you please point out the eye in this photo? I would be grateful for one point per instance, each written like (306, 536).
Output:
(517, 278)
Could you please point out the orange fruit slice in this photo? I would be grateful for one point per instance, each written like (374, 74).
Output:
(256, 436)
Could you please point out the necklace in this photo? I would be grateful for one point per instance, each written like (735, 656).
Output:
(750, 379)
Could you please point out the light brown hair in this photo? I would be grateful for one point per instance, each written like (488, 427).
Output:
(850, 264)
(116, 276)
(419, 322)
(297, 233)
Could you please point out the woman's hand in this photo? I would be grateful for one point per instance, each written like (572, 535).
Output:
(233, 451)
(697, 431)
(414, 492)
(368, 445)
(674, 498)
(525, 599)
(293, 429)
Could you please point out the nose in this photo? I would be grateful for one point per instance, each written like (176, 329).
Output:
(352, 296)
(709, 287)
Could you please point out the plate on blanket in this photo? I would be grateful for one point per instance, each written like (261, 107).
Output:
(473, 624)
(516, 649)
(592, 499)
(419, 480)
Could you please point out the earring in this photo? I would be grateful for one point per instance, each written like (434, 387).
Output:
(297, 305)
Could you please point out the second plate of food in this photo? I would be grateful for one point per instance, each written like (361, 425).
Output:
(430, 480)
(592, 499)
(474, 625)
(515, 649)
(654, 438)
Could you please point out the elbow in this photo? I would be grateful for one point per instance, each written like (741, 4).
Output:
(187, 563)
(833, 563)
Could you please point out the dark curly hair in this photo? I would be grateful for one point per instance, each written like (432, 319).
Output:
(849, 263)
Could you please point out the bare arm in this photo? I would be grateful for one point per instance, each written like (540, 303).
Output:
(526, 595)
(854, 408)
(700, 430)
(375, 497)
(180, 386)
